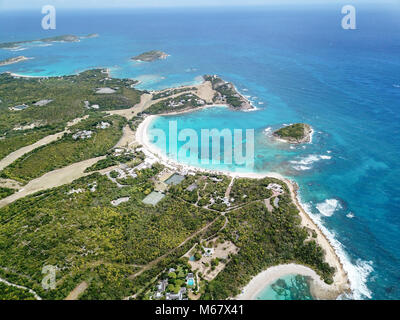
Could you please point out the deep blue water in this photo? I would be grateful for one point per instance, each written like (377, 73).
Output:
(304, 67)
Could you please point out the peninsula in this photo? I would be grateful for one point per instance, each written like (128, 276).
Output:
(62, 38)
(90, 36)
(150, 56)
(13, 60)
(226, 93)
(295, 133)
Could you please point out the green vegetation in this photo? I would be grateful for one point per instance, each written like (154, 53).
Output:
(174, 280)
(19, 139)
(5, 192)
(209, 191)
(265, 239)
(114, 159)
(90, 240)
(294, 132)
(171, 92)
(13, 293)
(150, 56)
(123, 98)
(67, 150)
(226, 93)
(179, 103)
(67, 94)
(122, 249)
(134, 122)
(245, 190)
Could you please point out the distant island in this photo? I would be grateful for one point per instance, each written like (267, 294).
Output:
(63, 38)
(91, 35)
(13, 60)
(150, 56)
(295, 133)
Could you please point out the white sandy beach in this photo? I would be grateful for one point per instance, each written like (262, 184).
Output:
(24, 76)
(320, 289)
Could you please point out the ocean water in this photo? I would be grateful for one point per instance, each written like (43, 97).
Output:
(302, 67)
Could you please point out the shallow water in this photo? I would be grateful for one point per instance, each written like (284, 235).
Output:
(290, 287)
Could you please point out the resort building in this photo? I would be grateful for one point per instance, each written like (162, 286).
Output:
(176, 296)
(192, 187)
(103, 125)
(276, 188)
(119, 201)
(85, 134)
(208, 252)
(42, 103)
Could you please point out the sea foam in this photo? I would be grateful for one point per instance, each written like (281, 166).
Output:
(328, 207)
(306, 163)
(357, 273)
(350, 215)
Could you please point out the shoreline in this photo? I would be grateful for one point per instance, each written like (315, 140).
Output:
(152, 151)
(341, 283)
(16, 75)
(319, 289)
(307, 139)
(188, 110)
(14, 60)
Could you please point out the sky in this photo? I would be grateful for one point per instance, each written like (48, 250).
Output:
(34, 4)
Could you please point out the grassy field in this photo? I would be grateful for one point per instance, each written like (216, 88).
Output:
(13, 293)
(16, 140)
(67, 94)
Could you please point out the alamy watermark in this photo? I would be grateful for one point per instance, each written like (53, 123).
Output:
(237, 148)
(49, 279)
(349, 20)
(49, 20)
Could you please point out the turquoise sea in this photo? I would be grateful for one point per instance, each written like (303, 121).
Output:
(290, 287)
(298, 65)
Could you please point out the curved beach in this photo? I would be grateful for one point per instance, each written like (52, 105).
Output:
(319, 289)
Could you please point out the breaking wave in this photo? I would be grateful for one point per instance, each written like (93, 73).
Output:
(306, 163)
(328, 207)
(357, 272)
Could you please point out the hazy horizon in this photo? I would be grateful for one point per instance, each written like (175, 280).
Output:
(103, 4)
